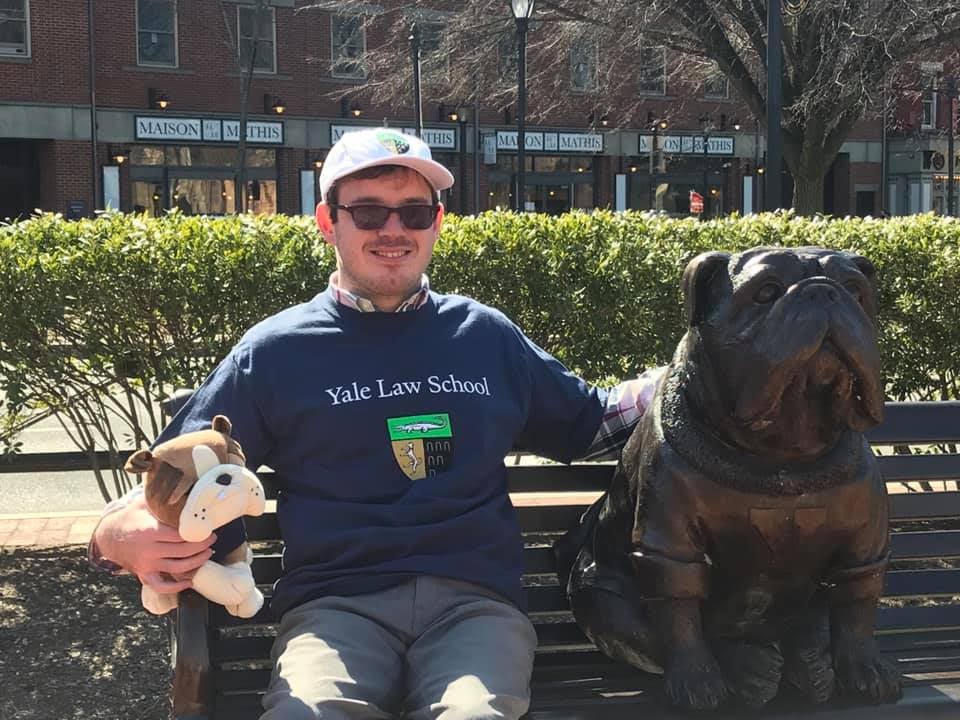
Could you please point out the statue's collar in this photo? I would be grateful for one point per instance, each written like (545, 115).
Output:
(732, 467)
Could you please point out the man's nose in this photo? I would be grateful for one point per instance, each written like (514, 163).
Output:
(393, 226)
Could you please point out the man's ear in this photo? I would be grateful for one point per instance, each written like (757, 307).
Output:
(439, 221)
(325, 222)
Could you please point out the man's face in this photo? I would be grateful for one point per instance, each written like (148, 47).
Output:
(381, 265)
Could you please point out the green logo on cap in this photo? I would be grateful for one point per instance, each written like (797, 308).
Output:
(393, 142)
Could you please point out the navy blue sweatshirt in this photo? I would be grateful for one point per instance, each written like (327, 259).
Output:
(387, 433)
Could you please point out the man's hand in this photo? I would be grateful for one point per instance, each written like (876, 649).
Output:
(136, 541)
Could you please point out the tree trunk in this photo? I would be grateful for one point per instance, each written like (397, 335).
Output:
(808, 193)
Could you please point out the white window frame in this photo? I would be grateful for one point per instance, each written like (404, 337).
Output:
(176, 37)
(591, 51)
(929, 98)
(928, 103)
(715, 72)
(507, 63)
(10, 50)
(442, 69)
(663, 70)
(273, 26)
(334, 59)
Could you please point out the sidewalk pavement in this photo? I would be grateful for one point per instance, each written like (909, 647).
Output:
(46, 529)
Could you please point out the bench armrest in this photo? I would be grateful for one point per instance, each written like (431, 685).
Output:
(190, 656)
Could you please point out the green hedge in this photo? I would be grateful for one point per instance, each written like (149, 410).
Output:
(146, 305)
(601, 290)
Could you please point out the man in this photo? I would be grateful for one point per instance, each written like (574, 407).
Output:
(386, 410)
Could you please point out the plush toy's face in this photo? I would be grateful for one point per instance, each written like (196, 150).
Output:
(223, 492)
(198, 482)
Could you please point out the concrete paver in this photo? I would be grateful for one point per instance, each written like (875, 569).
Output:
(46, 530)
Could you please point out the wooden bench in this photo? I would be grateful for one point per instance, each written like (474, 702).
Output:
(222, 664)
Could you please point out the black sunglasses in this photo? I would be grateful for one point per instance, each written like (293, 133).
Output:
(374, 217)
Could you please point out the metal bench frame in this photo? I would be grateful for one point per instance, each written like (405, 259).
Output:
(222, 664)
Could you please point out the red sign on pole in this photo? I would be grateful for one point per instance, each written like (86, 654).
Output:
(696, 202)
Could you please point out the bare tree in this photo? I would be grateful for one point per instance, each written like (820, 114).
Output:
(246, 55)
(837, 55)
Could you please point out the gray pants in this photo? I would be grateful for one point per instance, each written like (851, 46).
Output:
(429, 648)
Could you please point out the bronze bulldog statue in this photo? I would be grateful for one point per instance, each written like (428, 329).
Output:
(743, 541)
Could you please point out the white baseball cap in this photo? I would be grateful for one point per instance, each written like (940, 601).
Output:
(363, 149)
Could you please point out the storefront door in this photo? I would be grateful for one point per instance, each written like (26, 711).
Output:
(188, 178)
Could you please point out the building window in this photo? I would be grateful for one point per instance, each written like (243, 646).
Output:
(653, 70)
(348, 45)
(715, 84)
(157, 32)
(583, 66)
(14, 28)
(434, 63)
(262, 34)
(507, 58)
(928, 118)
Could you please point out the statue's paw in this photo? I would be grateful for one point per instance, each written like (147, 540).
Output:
(861, 672)
(752, 671)
(694, 682)
(810, 670)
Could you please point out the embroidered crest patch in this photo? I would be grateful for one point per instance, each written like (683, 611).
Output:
(393, 142)
(422, 444)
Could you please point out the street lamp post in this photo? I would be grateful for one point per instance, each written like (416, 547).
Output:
(522, 10)
(951, 192)
(417, 102)
(705, 124)
(655, 127)
(774, 192)
(462, 120)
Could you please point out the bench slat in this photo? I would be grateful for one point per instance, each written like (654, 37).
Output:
(917, 422)
(625, 700)
(557, 518)
(900, 627)
(921, 545)
(924, 506)
(912, 646)
(600, 677)
(914, 468)
(585, 478)
(900, 583)
(548, 598)
(539, 559)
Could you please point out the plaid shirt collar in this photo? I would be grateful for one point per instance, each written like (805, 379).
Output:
(347, 298)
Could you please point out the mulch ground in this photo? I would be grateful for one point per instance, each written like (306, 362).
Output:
(75, 643)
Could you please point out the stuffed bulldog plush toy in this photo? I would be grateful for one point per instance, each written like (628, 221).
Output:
(196, 483)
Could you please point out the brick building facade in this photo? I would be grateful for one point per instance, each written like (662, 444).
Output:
(139, 155)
